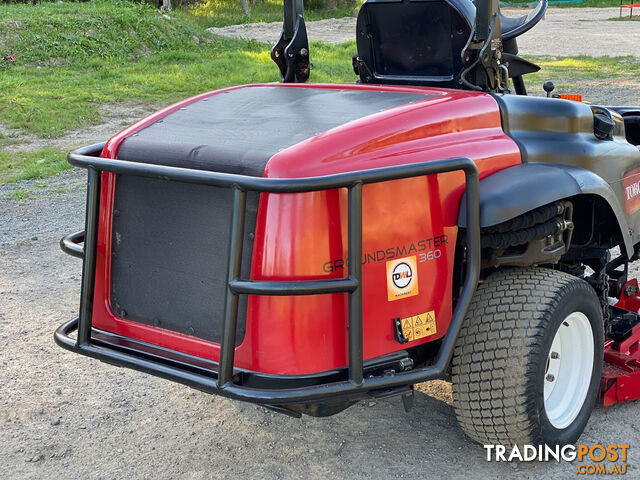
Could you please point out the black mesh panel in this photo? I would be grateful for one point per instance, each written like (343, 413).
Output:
(169, 255)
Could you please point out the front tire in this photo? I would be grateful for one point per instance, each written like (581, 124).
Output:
(528, 360)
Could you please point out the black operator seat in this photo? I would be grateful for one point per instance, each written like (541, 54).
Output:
(420, 42)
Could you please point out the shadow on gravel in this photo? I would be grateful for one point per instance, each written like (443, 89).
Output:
(67, 416)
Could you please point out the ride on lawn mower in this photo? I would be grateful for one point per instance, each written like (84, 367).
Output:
(306, 246)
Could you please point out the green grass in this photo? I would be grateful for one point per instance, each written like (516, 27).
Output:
(21, 194)
(43, 163)
(51, 34)
(218, 13)
(587, 4)
(49, 101)
(573, 74)
(72, 58)
(585, 68)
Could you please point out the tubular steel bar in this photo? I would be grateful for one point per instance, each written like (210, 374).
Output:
(355, 271)
(230, 320)
(222, 382)
(70, 244)
(80, 158)
(89, 261)
(307, 287)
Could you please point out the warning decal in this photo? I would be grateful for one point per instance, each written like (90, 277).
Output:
(419, 326)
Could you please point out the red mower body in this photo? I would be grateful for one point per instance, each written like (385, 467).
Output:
(303, 236)
(306, 246)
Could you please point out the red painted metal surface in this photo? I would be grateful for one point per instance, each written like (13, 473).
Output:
(621, 371)
(630, 303)
(303, 236)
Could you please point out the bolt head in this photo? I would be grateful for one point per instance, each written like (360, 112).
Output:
(550, 378)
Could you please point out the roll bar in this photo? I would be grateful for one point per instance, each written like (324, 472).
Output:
(291, 52)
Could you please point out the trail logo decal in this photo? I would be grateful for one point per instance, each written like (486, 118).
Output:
(402, 278)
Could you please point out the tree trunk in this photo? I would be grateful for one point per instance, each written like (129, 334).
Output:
(166, 5)
(245, 6)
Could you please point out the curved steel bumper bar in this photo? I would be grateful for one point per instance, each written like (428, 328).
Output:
(224, 381)
(71, 244)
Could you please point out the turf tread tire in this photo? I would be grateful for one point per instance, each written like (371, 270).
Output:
(496, 362)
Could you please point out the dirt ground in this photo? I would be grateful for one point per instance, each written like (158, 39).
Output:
(115, 117)
(563, 32)
(67, 416)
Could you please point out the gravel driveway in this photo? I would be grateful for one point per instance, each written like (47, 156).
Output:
(563, 32)
(67, 416)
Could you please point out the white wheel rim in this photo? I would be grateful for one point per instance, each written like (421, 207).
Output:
(568, 372)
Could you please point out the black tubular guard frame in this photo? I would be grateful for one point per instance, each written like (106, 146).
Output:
(223, 380)
(70, 244)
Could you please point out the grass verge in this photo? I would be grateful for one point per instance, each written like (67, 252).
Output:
(585, 68)
(219, 13)
(72, 58)
(244, 62)
(15, 166)
(51, 100)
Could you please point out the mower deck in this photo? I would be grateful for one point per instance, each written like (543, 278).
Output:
(621, 370)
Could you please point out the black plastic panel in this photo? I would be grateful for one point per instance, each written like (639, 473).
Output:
(169, 255)
(561, 132)
(238, 131)
(632, 128)
(519, 189)
(413, 42)
(631, 117)
(414, 45)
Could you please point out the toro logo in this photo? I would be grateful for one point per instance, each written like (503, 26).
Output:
(402, 278)
(631, 184)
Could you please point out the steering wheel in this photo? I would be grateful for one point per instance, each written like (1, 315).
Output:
(515, 26)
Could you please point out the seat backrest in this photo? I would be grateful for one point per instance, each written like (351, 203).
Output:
(416, 42)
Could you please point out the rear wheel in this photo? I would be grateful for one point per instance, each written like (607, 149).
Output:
(528, 360)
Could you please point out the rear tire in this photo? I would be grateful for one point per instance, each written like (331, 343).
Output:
(528, 360)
